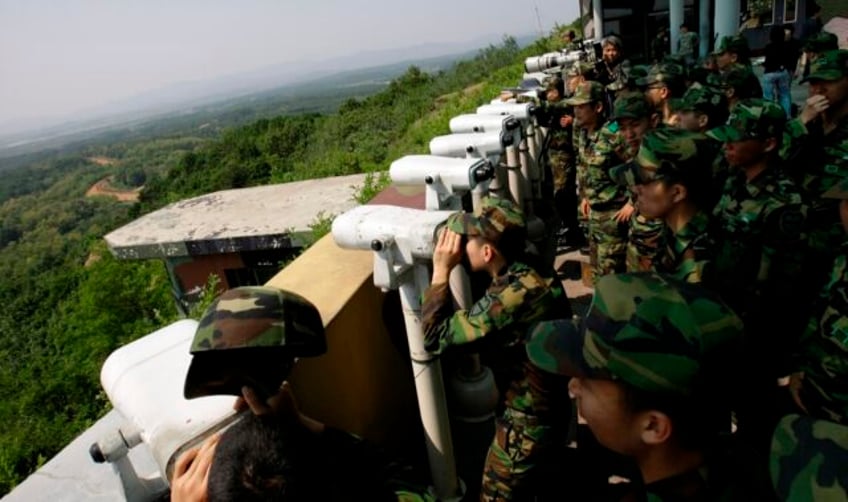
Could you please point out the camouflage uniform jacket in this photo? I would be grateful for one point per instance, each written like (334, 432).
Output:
(758, 227)
(688, 251)
(823, 351)
(558, 149)
(513, 302)
(818, 161)
(597, 153)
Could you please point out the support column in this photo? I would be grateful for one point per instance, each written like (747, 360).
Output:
(726, 18)
(598, 19)
(675, 19)
(704, 27)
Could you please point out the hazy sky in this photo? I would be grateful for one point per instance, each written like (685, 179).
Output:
(60, 56)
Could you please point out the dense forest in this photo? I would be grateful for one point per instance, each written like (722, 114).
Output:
(68, 303)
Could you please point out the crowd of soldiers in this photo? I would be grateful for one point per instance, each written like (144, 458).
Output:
(715, 228)
(712, 363)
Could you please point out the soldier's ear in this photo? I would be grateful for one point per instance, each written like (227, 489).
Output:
(703, 120)
(655, 426)
(770, 145)
(678, 193)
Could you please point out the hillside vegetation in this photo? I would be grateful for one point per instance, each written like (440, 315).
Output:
(68, 303)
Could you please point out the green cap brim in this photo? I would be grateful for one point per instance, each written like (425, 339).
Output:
(557, 347)
(726, 134)
(577, 101)
(837, 192)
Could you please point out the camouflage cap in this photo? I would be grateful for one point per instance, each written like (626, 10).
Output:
(580, 68)
(667, 153)
(808, 459)
(736, 44)
(837, 191)
(701, 98)
(631, 105)
(831, 65)
(497, 216)
(751, 119)
(586, 92)
(737, 76)
(663, 73)
(250, 336)
(650, 331)
(822, 41)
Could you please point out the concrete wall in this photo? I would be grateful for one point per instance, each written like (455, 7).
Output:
(364, 382)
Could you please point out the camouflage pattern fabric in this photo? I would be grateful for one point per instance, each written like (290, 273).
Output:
(808, 459)
(706, 100)
(514, 301)
(751, 119)
(645, 241)
(520, 440)
(241, 335)
(823, 350)
(688, 251)
(558, 149)
(822, 41)
(664, 73)
(596, 154)
(649, 331)
(631, 105)
(497, 216)
(688, 44)
(666, 154)
(586, 92)
(830, 65)
(742, 79)
(760, 235)
(607, 243)
(581, 68)
(736, 44)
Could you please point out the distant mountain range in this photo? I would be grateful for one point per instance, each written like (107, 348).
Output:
(25, 135)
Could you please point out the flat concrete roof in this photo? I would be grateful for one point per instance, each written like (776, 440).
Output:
(229, 221)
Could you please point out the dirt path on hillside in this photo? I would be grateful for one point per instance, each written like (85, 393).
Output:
(104, 187)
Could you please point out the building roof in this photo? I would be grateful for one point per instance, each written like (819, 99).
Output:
(246, 219)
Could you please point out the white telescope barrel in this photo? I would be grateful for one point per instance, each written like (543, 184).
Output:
(143, 381)
(367, 227)
(521, 111)
(482, 144)
(481, 123)
(455, 173)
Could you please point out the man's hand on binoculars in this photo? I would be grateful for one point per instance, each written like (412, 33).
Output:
(191, 472)
(448, 254)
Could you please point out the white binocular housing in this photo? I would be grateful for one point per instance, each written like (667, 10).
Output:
(397, 235)
(486, 145)
(446, 178)
(483, 123)
(521, 111)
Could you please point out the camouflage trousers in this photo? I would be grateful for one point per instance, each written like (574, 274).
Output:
(562, 165)
(644, 243)
(520, 441)
(607, 243)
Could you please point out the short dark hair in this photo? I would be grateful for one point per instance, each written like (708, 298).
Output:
(696, 422)
(270, 459)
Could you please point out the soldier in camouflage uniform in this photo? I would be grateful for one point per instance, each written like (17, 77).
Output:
(814, 47)
(664, 81)
(517, 297)
(245, 344)
(808, 459)
(759, 228)
(649, 365)
(635, 117)
(739, 82)
(604, 203)
(821, 361)
(701, 108)
(558, 152)
(817, 156)
(576, 74)
(672, 180)
(732, 49)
